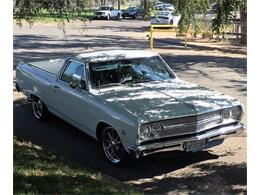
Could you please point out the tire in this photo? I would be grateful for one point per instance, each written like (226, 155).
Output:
(112, 146)
(108, 17)
(118, 17)
(123, 16)
(134, 16)
(39, 109)
(171, 22)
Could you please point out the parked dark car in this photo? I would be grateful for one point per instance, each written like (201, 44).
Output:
(132, 12)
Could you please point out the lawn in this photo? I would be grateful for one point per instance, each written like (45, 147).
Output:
(46, 17)
(38, 171)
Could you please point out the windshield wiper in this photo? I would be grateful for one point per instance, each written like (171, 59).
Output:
(136, 81)
(127, 81)
(141, 81)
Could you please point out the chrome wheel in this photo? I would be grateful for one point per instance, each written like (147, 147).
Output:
(112, 146)
(38, 108)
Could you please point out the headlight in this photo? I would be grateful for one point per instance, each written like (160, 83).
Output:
(225, 115)
(145, 131)
(157, 128)
(236, 113)
(149, 131)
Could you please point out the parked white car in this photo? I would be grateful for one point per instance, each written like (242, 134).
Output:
(108, 12)
(165, 17)
(165, 7)
(130, 101)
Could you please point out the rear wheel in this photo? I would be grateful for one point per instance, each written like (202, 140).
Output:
(39, 109)
(112, 146)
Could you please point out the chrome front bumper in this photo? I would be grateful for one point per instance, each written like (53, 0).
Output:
(212, 138)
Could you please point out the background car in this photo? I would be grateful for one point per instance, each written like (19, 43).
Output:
(165, 7)
(132, 12)
(165, 17)
(169, 7)
(108, 12)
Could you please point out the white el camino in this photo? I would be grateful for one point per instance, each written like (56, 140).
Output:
(131, 102)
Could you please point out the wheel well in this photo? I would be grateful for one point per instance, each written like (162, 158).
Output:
(100, 127)
(35, 97)
(32, 97)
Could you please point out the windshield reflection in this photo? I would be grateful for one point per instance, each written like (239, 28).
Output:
(138, 70)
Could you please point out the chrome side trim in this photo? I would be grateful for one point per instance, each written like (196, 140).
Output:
(177, 144)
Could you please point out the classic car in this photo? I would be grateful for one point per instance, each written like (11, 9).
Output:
(130, 101)
(132, 12)
(165, 17)
(108, 12)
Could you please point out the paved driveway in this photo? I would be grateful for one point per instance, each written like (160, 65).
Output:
(218, 66)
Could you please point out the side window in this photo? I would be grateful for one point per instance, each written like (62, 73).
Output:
(74, 72)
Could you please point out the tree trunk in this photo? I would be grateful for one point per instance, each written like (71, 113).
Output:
(118, 4)
(145, 5)
(243, 18)
(14, 3)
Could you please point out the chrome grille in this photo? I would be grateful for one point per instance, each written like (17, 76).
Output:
(190, 124)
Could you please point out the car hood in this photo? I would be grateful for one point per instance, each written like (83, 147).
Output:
(165, 99)
(103, 11)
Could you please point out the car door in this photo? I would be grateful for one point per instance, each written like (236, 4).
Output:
(113, 12)
(71, 95)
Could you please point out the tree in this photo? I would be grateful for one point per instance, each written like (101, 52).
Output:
(225, 11)
(188, 9)
(32, 9)
(118, 4)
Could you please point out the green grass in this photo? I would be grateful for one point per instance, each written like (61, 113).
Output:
(46, 17)
(37, 171)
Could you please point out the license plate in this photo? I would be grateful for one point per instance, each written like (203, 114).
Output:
(194, 145)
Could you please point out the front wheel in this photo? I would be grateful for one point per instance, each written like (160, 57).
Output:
(39, 109)
(112, 146)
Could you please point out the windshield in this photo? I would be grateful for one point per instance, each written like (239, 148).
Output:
(131, 8)
(163, 13)
(124, 71)
(104, 8)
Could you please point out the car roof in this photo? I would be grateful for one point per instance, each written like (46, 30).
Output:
(115, 55)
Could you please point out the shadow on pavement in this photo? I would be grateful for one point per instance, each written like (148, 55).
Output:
(173, 43)
(39, 47)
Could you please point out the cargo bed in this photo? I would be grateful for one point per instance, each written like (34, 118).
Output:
(51, 66)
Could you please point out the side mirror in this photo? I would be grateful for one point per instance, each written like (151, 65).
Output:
(83, 85)
(73, 84)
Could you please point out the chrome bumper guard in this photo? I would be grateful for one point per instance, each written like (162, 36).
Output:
(212, 138)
